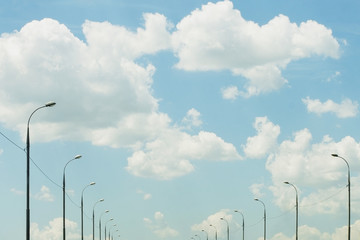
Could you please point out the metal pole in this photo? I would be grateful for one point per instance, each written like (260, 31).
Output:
(256, 199)
(297, 209)
(82, 209)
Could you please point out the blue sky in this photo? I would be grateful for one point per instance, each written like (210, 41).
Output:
(183, 111)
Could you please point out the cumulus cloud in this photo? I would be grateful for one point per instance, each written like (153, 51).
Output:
(345, 109)
(159, 226)
(103, 96)
(54, 230)
(217, 37)
(44, 195)
(192, 118)
(230, 93)
(265, 141)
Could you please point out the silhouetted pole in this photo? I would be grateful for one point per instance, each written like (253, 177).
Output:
(243, 224)
(64, 192)
(297, 209)
(256, 199)
(349, 201)
(49, 104)
(93, 217)
(82, 209)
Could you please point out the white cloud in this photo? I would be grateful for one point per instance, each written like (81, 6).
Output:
(159, 226)
(265, 141)
(192, 118)
(217, 37)
(146, 196)
(54, 230)
(230, 93)
(102, 95)
(17, 192)
(345, 109)
(169, 155)
(44, 195)
(256, 190)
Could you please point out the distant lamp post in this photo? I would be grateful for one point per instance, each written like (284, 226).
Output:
(207, 235)
(256, 199)
(110, 230)
(105, 226)
(49, 104)
(297, 209)
(215, 231)
(93, 217)
(349, 200)
(243, 224)
(227, 227)
(106, 211)
(64, 192)
(82, 209)
(198, 236)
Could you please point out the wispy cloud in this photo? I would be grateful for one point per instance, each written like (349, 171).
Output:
(159, 226)
(345, 109)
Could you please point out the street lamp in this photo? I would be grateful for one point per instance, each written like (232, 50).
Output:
(198, 236)
(243, 224)
(256, 199)
(215, 231)
(297, 209)
(49, 104)
(82, 209)
(106, 211)
(105, 226)
(207, 235)
(93, 217)
(110, 230)
(64, 231)
(349, 201)
(227, 227)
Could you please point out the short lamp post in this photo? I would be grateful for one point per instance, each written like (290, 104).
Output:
(297, 209)
(49, 104)
(93, 217)
(82, 209)
(256, 199)
(243, 224)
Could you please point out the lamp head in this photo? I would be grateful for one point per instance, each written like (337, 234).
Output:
(101, 200)
(50, 104)
(92, 183)
(334, 155)
(256, 199)
(77, 156)
(286, 182)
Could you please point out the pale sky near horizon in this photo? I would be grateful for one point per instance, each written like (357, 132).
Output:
(183, 111)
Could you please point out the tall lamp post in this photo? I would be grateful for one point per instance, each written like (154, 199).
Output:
(243, 224)
(106, 211)
(256, 199)
(82, 209)
(64, 192)
(105, 227)
(349, 200)
(215, 231)
(297, 209)
(93, 217)
(49, 104)
(207, 235)
(227, 227)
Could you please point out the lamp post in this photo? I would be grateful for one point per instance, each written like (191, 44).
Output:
(207, 235)
(297, 209)
(227, 227)
(215, 231)
(93, 217)
(243, 224)
(49, 104)
(110, 230)
(64, 230)
(349, 201)
(105, 227)
(106, 211)
(82, 209)
(198, 236)
(256, 199)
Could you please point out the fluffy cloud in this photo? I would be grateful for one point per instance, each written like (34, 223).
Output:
(44, 195)
(260, 145)
(230, 93)
(102, 95)
(345, 109)
(54, 230)
(217, 37)
(192, 118)
(159, 226)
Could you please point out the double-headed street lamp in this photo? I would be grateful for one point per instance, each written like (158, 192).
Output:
(63, 188)
(49, 104)
(297, 209)
(106, 211)
(243, 224)
(82, 209)
(256, 199)
(227, 227)
(349, 201)
(93, 217)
